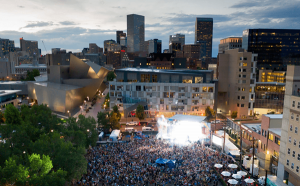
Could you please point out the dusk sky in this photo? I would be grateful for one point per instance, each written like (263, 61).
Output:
(73, 24)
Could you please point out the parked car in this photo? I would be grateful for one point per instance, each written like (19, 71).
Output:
(129, 129)
(216, 121)
(147, 129)
(143, 123)
(132, 123)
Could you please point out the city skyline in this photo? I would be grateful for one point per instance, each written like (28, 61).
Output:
(58, 24)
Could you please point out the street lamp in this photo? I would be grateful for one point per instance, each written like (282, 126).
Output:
(24, 152)
(88, 130)
(51, 130)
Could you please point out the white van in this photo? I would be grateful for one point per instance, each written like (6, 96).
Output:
(129, 129)
(115, 135)
(147, 129)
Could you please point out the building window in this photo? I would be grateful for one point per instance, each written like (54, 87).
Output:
(291, 128)
(293, 154)
(298, 105)
(289, 151)
(290, 139)
(145, 77)
(295, 142)
(239, 89)
(238, 105)
(238, 97)
(293, 105)
(277, 140)
(292, 166)
(271, 137)
(298, 156)
(244, 70)
(296, 130)
(243, 89)
(243, 97)
(244, 64)
(242, 105)
(297, 169)
(138, 88)
(287, 162)
(154, 78)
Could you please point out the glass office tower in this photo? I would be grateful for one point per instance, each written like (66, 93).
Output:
(204, 34)
(276, 48)
(135, 32)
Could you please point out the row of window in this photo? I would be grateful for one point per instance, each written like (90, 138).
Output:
(296, 128)
(292, 165)
(297, 116)
(294, 103)
(295, 141)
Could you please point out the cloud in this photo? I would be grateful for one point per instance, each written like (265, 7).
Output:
(21, 6)
(67, 23)
(38, 24)
(119, 7)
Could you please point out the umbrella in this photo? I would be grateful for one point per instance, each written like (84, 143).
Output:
(128, 136)
(233, 166)
(242, 173)
(249, 180)
(237, 176)
(226, 173)
(232, 181)
(218, 166)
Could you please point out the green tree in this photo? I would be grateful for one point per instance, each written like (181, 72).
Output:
(114, 121)
(116, 110)
(102, 120)
(209, 113)
(39, 167)
(32, 74)
(13, 174)
(12, 115)
(2, 117)
(234, 114)
(140, 113)
(111, 76)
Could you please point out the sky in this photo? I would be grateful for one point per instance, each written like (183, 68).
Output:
(73, 24)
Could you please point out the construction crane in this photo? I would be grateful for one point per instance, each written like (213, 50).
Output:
(44, 46)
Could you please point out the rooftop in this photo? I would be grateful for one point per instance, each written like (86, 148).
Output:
(274, 116)
(270, 83)
(8, 92)
(57, 86)
(190, 118)
(164, 71)
(256, 127)
(12, 82)
(31, 66)
(276, 131)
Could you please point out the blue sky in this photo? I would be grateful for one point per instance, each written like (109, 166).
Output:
(73, 24)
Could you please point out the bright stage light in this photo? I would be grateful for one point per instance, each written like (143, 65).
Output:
(180, 132)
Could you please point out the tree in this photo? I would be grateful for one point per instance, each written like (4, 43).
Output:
(12, 115)
(116, 110)
(140, 113)
(32, 74)
(2, 118)
(13, 174)
(111, 76)
(209, 113)
(114, 121)
(102, 120)
(234, 114)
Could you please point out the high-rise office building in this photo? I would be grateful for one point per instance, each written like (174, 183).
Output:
(6, 46)
(175, 41)
(29, 46)
(111, 46)
(204, 35)
(154, 46)
(230, 43)
(289, 154)
(236, 73)
(276, 48)
(94, 49)
(135, 32)
(119, 34)
(123, 41)
(192, 51)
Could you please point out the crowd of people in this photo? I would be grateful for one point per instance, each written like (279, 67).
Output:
(133, 163)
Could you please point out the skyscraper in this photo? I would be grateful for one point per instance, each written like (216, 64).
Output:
(204, 34)
(119, 34)
(276, 48)
(154, 46)
(6, 46)
(29, 46)
(176, 40)
(135, 32)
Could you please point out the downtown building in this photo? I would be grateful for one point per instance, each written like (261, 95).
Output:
(276, 48)
(237, 78)
(30, 46)
(230, 43)
(289, 156)
(166, 92)
(204, 35)
(135, 33)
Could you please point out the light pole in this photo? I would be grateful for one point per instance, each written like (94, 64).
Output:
(81, 109)
(253, 153)
(241, 143)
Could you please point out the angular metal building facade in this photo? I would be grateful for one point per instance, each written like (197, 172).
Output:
(68, 85)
